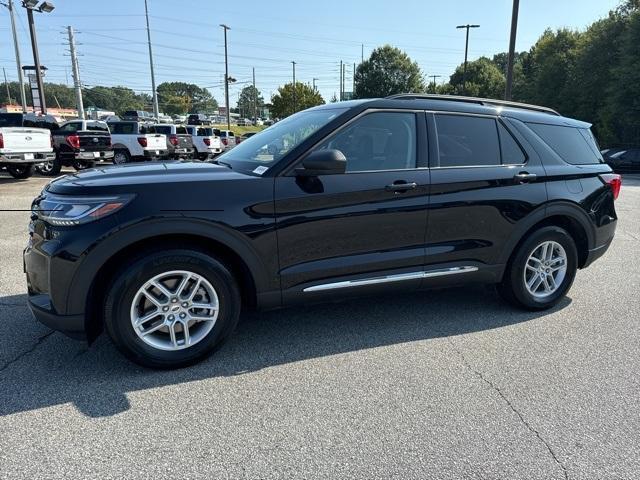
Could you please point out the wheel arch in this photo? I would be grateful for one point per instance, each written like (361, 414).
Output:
(89, 287)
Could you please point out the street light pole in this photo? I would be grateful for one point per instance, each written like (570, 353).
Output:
(156, 110)
(512, 48)
(23, 96)
(295, 103)
(434, 81)
(226, 76)
(466, 50)
(36, 60)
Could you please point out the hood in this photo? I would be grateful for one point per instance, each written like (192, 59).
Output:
(135, 177)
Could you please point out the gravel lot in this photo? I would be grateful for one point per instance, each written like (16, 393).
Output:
(448, 384)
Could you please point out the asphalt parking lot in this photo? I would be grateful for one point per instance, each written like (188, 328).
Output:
(443, 384)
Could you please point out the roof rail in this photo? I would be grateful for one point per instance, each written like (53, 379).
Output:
(479, 101)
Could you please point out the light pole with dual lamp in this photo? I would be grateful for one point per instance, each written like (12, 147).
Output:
(44, 7)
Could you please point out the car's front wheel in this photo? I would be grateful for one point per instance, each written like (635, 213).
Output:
(50, 168)
(20, 171)
(172, 308)
(542, 270)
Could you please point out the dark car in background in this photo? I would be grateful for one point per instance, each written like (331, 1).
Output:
(79, 143)
(139, 116)
(354, 198)
(197, 119)
(624, 159)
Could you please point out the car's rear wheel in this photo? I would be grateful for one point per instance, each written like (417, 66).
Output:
(50, 168)
(20, 171)
(82, 164)
(541, 271)
(121, 156)
(172, 308)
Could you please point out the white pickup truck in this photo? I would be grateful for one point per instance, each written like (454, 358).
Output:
(132, 142)
(23, 144)
(205, 141)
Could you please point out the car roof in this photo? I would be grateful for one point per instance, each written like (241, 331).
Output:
(458, 104)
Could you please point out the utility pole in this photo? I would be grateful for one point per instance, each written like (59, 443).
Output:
(434, 81)
(466, 50)
(255, 96)
(295, 100)
(75, 72)
(6, 84)
(36, 61)
(340, 80)
(512, 48)
(344, 85)
(361, 52)
(314, 83)
(353, 81)
(23, 96)
(226, 76)
(156, 110)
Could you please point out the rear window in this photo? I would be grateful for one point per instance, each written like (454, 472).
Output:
(11, 120)
(181, 130)
(466, 141)
(160, 129)
(97, 127)
(205, 132)
(574, 145)
(122, 128)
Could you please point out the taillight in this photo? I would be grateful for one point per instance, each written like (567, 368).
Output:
(1, 141)
(225, 141)
(142, 141)
(74, 141)
(207, 141)
(173, 139)
(614, 181)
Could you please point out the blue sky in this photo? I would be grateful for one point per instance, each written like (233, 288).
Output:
(268, 35)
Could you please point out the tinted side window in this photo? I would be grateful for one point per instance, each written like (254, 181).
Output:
(70, 127)
(122, 128)
(181, 130)
(570, 143)
(512, 154)
(377, 141)
(465, 141)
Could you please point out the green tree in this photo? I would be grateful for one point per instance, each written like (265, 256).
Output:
(387, 71)
(282, 100)
(116, 99)
(248, 96)
(483, 79)
(181, 98)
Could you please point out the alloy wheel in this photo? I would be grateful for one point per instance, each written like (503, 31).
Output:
(174, 310)
(545, 269)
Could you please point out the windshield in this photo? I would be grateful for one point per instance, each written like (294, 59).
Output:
(11, 120)
(261, 151)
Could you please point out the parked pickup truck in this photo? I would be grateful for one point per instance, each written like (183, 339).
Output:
(132, 141)
(179, 143)
(205, 141)
(228, 138)
(22, 144)
(79, 143)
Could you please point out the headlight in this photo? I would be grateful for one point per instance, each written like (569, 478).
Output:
(63, 210)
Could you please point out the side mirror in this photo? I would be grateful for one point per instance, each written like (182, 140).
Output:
(323, 162)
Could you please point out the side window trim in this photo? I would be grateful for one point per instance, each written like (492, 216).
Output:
(509, 132)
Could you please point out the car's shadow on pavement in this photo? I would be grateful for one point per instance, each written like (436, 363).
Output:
(55, 370)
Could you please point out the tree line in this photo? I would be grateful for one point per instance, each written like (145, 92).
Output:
(592, 75)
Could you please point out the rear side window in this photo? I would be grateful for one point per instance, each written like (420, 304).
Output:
(97, 127)
(181, 130)
(512, 154)
(122, 128)
(466, 141)
(574, 145)
(159, 129)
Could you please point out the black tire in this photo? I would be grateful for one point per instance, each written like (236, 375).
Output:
(50, 168)
(20, 171)
(121, 295)
(121, 156)
(513, 287)
(82, 165)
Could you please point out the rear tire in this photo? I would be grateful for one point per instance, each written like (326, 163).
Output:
(167, 344)
(81, 165)
(50, 168)
(120, 157)
(20, 171)
(537, 278)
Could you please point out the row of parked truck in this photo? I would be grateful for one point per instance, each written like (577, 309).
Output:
(31, 142)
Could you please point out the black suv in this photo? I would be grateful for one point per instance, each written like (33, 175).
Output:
(351, 198)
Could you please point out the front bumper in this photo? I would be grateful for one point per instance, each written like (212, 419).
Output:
(70, 325)
(21, 158)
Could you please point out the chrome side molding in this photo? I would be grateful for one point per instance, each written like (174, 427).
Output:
(399, 277)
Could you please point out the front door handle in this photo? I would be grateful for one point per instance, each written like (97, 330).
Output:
(524, 177)
(401, 186)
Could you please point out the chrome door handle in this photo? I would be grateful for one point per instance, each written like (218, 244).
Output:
(401, 187)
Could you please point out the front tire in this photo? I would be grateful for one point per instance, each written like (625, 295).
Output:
(120, 157)
(82, 165)
(541, 270)
(20, 171)
(50, 168)
(171, 309)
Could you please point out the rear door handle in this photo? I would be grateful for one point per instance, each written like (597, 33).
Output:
(401, 186)
(524, 177)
